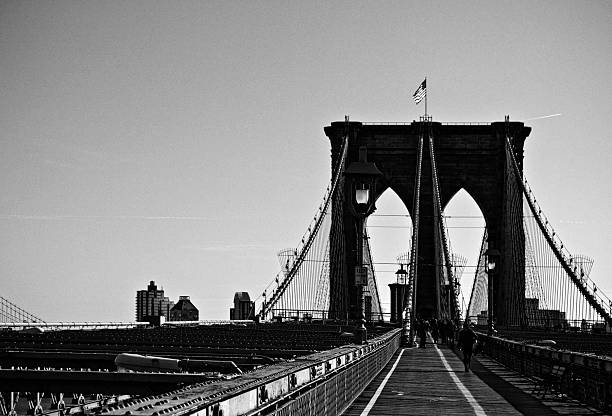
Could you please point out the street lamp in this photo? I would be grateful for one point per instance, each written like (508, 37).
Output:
(401, 278)
(401, 274)
(361, 177)
(491, 257)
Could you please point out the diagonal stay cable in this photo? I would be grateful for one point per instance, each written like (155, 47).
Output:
(267, 306)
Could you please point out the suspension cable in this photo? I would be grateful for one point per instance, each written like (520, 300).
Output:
(554, 243)
(309, 239)
(409, 301)
(9, 312)
(450, 304)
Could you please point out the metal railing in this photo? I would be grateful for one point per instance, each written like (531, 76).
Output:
(332, 394)
(587, 378)
(407, 123)
(52, 326)
(321, 384)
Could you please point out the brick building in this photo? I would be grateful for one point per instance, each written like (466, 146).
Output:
(243, 307)
(184, 310)
(151, 304)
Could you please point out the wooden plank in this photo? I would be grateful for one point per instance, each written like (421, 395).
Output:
(553, 405)
(421, 385)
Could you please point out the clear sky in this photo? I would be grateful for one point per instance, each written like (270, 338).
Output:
(183, 142)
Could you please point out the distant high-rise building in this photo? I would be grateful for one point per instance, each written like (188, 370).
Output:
(151, 304)
(243, 307)
(184, 310)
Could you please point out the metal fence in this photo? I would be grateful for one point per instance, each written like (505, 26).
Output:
(333, 395)
(586, 377)
(408, 123)
(326, 387)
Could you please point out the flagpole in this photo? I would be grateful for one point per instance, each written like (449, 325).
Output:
(426, 98)
(420, 94)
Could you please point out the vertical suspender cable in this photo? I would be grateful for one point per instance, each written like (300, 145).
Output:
(451, 306)
(476, 295)
(558, 256)
(414, 248)
(307, 241)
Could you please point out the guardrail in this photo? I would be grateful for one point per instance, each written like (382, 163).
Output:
(332, 393)
(70, 325)
(114, 325)
(91, 406)
(407, 123)
(322, 384)
(588, 377)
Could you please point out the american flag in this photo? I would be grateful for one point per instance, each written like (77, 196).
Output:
(421, 92)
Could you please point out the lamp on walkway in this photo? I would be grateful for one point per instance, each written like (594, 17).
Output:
(491, 257)
(402, 280)
(361, 177)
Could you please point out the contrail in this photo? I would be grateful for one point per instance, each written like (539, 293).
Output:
(549, 116)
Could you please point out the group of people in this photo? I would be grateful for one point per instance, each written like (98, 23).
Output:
(442, 330)
(445, 331)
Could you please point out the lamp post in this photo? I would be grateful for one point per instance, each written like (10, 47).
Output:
(361, 177)
(491, 258)
(400, 299)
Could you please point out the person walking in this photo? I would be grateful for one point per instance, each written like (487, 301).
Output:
(422, 330)
(466, 340)
(450, 334)
(435, 330)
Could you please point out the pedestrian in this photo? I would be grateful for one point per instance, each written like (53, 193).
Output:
(422, 329)
(442, 328)
(450, 334)
(435, 330)
(466, 340)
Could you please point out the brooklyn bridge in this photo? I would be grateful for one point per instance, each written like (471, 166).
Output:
(320, 344)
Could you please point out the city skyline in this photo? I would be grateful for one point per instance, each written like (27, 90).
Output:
(183, 143)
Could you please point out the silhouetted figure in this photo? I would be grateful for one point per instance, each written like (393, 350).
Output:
(442, 325)
(450, 333)
(466, 340)
(435, 330)
(422, 332)
(61, 407)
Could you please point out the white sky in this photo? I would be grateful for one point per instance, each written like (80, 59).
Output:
(183, 142)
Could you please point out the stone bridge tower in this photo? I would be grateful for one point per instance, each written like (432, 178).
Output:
(468, 156)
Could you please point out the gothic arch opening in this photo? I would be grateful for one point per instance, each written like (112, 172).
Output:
(465, 225)
(466, 156)
(389, 229)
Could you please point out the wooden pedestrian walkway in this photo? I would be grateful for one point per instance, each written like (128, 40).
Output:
(432, 381)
